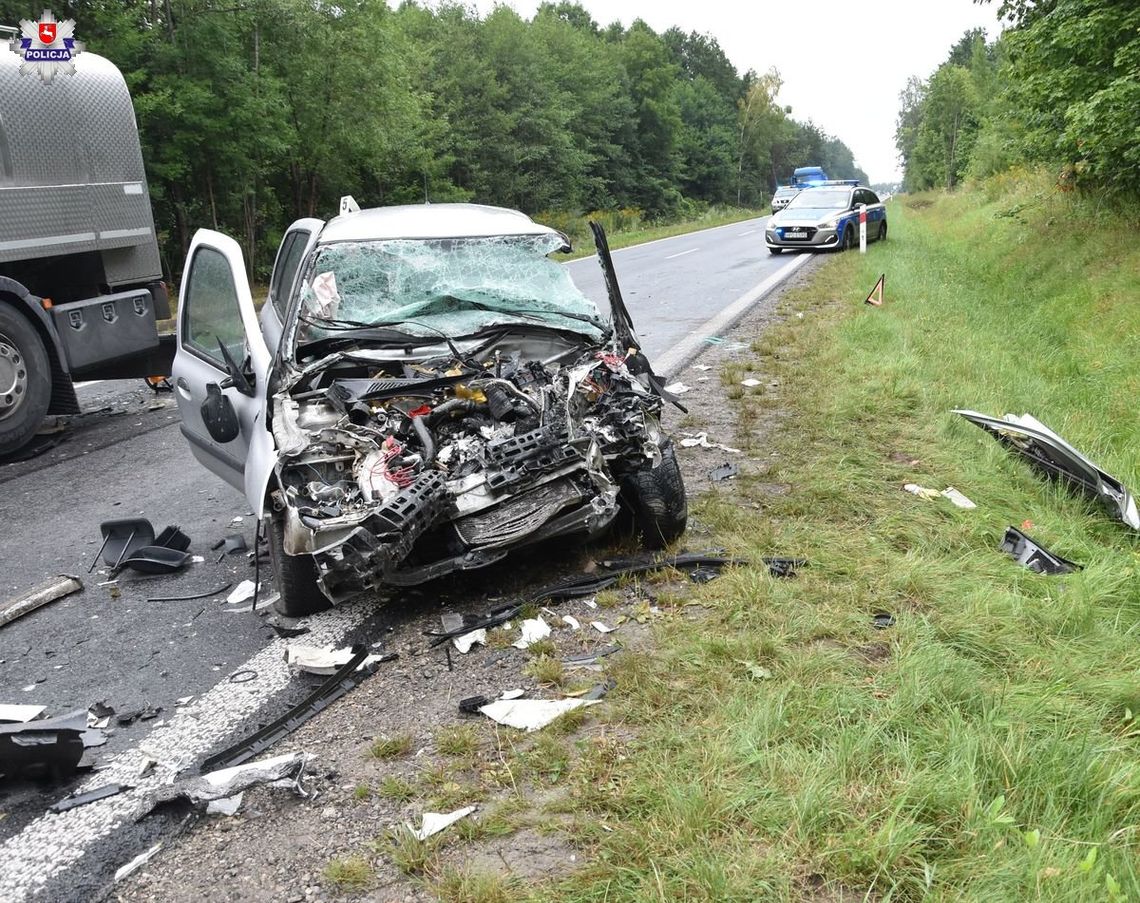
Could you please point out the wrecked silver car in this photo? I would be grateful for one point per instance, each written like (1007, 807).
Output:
(440, 393)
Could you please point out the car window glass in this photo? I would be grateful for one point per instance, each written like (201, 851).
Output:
(872, 198)
(212, 308)
(286, 270)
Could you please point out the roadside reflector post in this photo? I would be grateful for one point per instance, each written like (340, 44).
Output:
(862, 228)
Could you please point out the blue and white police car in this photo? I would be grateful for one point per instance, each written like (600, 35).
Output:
(826, 216)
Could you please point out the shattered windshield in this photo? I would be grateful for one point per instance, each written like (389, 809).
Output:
(452, 287)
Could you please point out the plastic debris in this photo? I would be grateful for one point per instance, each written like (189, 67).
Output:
(1051, 455)
(91, 796)
(701, 367)
(512, 694)
(325, 661)
(701, 440)
(476, 637)
(434, 822)
(193, 596)
(226, 806)
(138, 862)
(533, 630)
(1037, 558)
(571, 622)
(47, 746)
(48, 591)
(677, 388)
(957, 498)
(921, 491)
(881, 620)
(725, 471)
(20, 713)
(531, 714)
(602, 628)
(750, 383)
(242, 593)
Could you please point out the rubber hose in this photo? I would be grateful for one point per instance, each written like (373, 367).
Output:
(425, 439)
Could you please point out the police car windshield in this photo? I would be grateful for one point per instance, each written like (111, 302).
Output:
(821, 199)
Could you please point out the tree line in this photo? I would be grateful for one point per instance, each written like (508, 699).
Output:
(253, 113)
(1059, 87)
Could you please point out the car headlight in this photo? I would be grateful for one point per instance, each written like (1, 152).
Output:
(831, 222)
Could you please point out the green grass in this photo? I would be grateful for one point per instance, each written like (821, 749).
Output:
(391, 747)
(986, 747)
(349, 873)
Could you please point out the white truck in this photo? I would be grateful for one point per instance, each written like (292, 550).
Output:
(80, 278)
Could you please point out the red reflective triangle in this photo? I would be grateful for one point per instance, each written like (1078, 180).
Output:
(876, 297)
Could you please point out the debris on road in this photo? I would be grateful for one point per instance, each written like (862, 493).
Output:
(614, 569)
(678, 388)
(587, 659)
(327, 660)
(91, 796)
(242, 593)
(931, 494)
(571, 622)
(192, 597)
(531, 714)
(99, 715)
(1037, 558)
(602, 628)
(921, 491)
(701, 367)
(957, 498)
(492, 619)
(701, 440)
(235, 542)
(784, 567)
(725, 471)
(1052, 456)
(20, 713)
(47, 747)
(434, 822)
(532, 630)
(156, 560)
(472, 704)
(881, 620)
(598, 691)
(48, 591)
(750, 383)
(146, 713)
(340, 683)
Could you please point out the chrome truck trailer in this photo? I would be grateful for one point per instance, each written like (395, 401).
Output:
(80, 279)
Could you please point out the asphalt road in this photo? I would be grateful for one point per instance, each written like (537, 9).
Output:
(125, 457)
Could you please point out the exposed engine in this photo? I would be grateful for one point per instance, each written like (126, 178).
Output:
(398, 473)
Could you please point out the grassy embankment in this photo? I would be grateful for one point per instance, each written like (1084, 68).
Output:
(986, 747)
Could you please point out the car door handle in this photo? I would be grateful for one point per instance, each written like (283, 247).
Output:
(183, 388)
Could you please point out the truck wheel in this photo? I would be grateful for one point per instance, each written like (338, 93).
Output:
(25, 380)
(656, 498)
(296, 575)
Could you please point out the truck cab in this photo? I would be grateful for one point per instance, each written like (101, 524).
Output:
(80, 278)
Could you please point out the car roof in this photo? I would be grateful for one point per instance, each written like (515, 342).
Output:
(415, 221)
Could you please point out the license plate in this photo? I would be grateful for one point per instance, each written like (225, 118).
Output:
(795, 233)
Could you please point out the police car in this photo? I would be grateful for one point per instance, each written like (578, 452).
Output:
(826, 216)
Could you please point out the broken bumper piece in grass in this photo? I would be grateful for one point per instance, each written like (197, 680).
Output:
(1037, 558)
(46, 592)
(340, 683)
(613, 570)
(326, 661)
(434, 822)
(1052, 456)
(531, 714)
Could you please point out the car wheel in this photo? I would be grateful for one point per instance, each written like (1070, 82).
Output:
(883, 231)
(655, 497)
(848, 239)
(25, 387)
(296, 575)
(775, 250)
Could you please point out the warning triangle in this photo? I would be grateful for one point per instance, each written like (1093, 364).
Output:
(876, 297)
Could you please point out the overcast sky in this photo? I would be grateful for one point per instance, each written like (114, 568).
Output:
(843, 62)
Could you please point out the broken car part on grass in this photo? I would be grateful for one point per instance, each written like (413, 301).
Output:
(1037, 558)
(1051, 455)
(441, 394)
(48, 591)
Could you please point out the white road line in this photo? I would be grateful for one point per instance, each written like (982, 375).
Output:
(749, 232)
(681, 253)
(51, 843)
(687, 348)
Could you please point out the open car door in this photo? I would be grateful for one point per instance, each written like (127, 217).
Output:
(221, 367)
(299, 240)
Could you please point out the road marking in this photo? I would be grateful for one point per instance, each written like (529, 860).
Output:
(749, 232)
(646, 244)
(90, 382)
(52, 843)
(670, 362)
(681, 253)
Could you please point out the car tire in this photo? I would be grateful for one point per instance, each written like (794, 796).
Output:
(882, 231)
(848, 239)
(775, 250)
(24, 380)
(296, 575)
(655, 496)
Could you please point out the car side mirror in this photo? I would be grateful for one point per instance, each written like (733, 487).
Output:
(219, 416)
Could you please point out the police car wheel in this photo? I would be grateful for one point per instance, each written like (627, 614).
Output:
(25, 386)
(848, 238)
(882, 231)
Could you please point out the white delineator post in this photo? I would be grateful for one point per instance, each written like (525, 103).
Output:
(862, 228)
